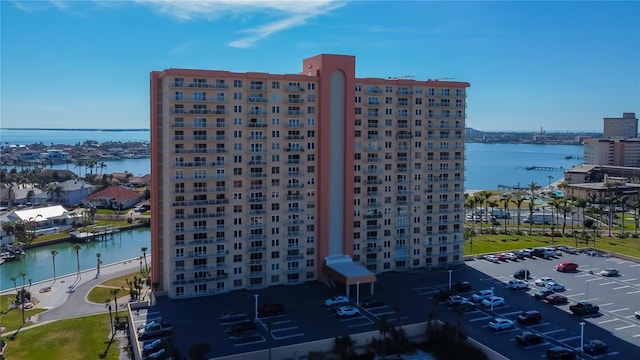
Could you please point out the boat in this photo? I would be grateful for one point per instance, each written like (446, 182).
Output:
(9, 253)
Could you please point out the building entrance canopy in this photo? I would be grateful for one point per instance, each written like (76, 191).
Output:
(341, 268)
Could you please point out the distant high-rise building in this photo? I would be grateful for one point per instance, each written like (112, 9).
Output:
(263, 179)
(624, 127)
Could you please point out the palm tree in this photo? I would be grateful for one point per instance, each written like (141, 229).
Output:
(581, 204)
(80, 163)
(144, 255)
(472, 202)
(115, 292)
(565, 208)
(383, 328)
(102, 166)
(636, 214)
(55, 191)
(98, 262)
(622, 200)
(54, 253)
(506, 200)
(518, 201)
(77, 248)
(533, 186)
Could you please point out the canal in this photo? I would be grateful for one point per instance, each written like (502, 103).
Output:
(38, 264)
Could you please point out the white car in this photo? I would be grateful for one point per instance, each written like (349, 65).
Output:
(554, 286)
(637, 314)
(456, 299)
(518, 284)
(481, 295)
(492, 258)
(511, 256)
(493, 301)
(347, 311)
(500, 324)
(543, 281)
(336, 300)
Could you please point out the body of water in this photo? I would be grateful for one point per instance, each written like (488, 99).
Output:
(487, 165)
(38, 263)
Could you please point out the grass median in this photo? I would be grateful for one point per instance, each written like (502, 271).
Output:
(79, 338)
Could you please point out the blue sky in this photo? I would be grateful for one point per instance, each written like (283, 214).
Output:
(552, 65)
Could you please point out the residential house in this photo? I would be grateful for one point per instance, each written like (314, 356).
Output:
(113, 197)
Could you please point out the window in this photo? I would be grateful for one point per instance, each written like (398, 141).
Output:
(237, 83)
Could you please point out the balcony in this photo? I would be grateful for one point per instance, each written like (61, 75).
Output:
(294, 101)
(257, 199)
(254, 100)
(256, 249)
(295, 112)
(257, 137)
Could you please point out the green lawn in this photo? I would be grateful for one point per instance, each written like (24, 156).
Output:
(81, 338)
(12, 319)
(496, 243)
(101, 294)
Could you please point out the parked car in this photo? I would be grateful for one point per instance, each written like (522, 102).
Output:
(595, 347)
(155, 330)
(529, 317)
(151, 347)
(462, 286)
(500, 324)
(241, 328)
(480, 295)
(336, 300)
(556, 298)
(247, 337)
(554, 286)
(456, 299)
(637, 314)
(157, 355)
(567, 266)
(492, 258)
(560, 353)
(525, 252)
(542, 294)
(344, 311)
(529, 338)
(149, 322)
(610, 272)
(465, 306)
(372, 301)
(543, 280)
(232, 317)
(493, 301)
(522, 274)
(511, 256)
(270, 309)
(516, 284)
(584, 308)
(443, 295)
(501, 256)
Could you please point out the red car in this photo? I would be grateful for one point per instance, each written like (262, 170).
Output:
(566, 266)
(556, 298)
(501, 256)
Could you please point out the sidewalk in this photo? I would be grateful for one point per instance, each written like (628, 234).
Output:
(48, 294)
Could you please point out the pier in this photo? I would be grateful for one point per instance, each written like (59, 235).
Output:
(547, 168)
(99, 231)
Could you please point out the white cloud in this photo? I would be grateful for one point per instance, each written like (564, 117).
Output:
(288, 14)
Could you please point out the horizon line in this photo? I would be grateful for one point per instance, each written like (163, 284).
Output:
(148, 129)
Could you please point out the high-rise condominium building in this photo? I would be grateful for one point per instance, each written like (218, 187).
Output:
(624, 127)
(263, 179)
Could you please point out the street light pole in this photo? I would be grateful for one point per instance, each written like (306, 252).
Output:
(492, 294)
(255, 307)
(582, 336)
(450, 271)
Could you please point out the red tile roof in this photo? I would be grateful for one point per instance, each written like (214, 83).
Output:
(119, 193)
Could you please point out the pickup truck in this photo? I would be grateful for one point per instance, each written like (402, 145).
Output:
(155, 330)
(584, 308)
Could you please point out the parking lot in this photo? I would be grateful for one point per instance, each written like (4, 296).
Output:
(618, 298)
(409, 298)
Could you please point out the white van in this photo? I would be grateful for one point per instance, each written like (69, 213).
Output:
(481, 295)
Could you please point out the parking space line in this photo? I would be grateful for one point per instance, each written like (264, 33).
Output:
(421, 288)
(607, 304)
(285, 329)
(287, 336)
(608, 283)
(428, 292)
(594, 279)
(630, 280)
(634, 265)
(553, 331)
(608, 321)
(481, 318)
(583, 275)
(633, 292)
(537, 345)
(626, 327)
(280, 322)
(618, 310)
(574, 295)
(509, 313)
(569, 338)
(636, 335)
(621, 287)
(541, 324)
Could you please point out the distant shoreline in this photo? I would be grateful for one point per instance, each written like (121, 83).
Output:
(75, 129)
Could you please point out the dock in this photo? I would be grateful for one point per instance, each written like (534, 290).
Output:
(547, 168)
(98, 231)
